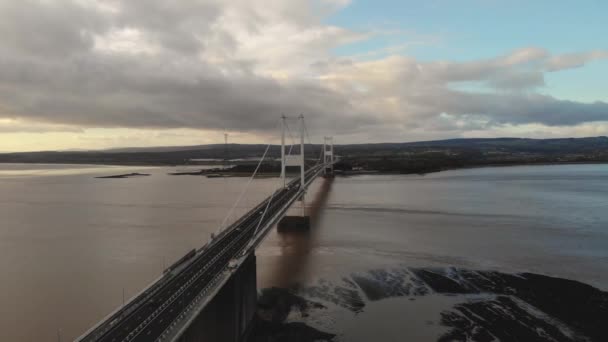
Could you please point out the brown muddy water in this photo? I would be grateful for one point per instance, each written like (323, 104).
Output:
(70, 244)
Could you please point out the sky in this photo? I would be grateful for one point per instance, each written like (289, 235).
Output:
(92, 74)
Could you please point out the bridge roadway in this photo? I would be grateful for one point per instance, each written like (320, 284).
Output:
(150, 314)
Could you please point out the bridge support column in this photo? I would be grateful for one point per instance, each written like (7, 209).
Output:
(229, 314)
(328, 157)
(294, 223)
(292, 159)
(302, 222)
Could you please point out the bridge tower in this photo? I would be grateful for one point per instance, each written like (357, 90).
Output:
(292, 159)
(328, 157)
(294, 222)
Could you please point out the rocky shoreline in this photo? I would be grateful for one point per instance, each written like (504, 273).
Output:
(492, 306)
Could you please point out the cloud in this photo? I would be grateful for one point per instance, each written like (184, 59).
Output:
(238, 65)
(574, 60)
(166, 65)
(22, 126)
(491, 92)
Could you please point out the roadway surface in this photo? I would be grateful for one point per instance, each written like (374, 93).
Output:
(149, 315)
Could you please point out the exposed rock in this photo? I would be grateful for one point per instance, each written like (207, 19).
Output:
(274, 306)
(495, 306)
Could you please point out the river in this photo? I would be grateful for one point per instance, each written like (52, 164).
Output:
(72, 244)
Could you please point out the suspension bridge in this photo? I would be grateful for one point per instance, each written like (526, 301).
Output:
(210, 294)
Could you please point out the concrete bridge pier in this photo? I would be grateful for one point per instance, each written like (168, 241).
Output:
(229, 314)
(294, 224)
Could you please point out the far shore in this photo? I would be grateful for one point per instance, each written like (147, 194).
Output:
(227, 174)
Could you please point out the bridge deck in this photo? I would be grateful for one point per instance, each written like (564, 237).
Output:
(161, 310)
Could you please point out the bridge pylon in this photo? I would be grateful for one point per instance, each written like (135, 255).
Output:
(328, 157)
(292, 159)
(294, 222)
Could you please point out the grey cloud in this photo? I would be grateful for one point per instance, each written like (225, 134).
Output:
(517, 80)
(514, 108)
(425, 91)
(51, 71)
(574, 60)
(176, 25)
(113, 91)
(521, 69)
(170, 89)
(44, 29)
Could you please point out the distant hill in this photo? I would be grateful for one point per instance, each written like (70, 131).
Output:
(164, 148)
(432, 156)
(559, 145)
(176, 155)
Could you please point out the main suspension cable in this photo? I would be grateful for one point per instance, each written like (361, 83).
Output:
(243, 191)
(293, 140)
(274, 192)
(310, 141)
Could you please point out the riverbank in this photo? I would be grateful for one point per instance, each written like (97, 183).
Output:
(247, 170)
(413, 157)
(349, 170)
(378, 172)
